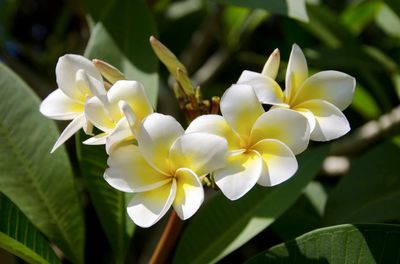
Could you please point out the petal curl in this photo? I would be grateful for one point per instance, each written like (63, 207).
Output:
(267, 90)
(241, 108)
(281, 164)
(330, 121)
(99, 115)
(200, 152)
(332, 86)
(69, 131)
(189, 193)
(99, 139)
(128, 171)
(240, 174)
(66, 70)
(217, 125)
(146, 208)
(285, 125)
(122, 133)
(296, 73)
(155, 137)
(60, 107)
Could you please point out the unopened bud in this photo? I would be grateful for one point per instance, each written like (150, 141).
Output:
(167, 57)
(271, 67)
(108, 71)
(185, 82)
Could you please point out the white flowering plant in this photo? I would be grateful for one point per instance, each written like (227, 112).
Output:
(245, 162)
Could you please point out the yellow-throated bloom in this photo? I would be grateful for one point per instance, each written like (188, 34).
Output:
(261, 145)
(321, 98)
(118, 113)
(77, 80)
(165, 169)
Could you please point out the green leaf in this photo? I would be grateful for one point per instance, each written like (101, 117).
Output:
(357, 16)
(123, 40)
(222, 226)
(291, 8)
(20, 237)
(109, 203)
(388, 21)
(371, 190)
(39, 183)
(362, 243)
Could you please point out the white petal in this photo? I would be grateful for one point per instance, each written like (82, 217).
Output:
(99, 139)
(129, 172)
(241, 108)
(296, 73)
(330, 121)
(60, 107)
(147, 208)
(189, 193)
(281, 164)
(66, 69)
(200, 152)
(216, 125)
(332, 86)
(130, 116)
(286, 125)
(271, 67)
(133, 94)
(156, 135)
(240, 174)
(267, 90)
(99, 115)
(70, 130)
(122, 133)
(307, 114)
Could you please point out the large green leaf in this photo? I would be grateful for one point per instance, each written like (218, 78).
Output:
(20, 237)
(222, 226)
(371, 190)
(363, 243)
(292, 8)
(123, 40)
(109, 203)
(39, 183)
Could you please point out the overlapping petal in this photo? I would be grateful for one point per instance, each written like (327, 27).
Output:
(99, 115)
(285, 125)
(296, 72)
(200, 152)
(132, 92)
(217, 125)
(241, 108)
(129, 172)
(60, 107)
(267, 90)
(330, 121)
(155, 138)
(241, 173)
(121, 133)
(146, 208)
(66, 73)
(189, 193)
(332, 86)
(280, 162)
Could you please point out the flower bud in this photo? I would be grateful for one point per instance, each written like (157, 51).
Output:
(108, 71)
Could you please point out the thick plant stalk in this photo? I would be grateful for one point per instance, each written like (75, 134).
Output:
(168, 240)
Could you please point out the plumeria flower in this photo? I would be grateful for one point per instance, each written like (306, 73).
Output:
(118, 113)
(165, 169)
(77, 80)
(321, 98)
(261, 144)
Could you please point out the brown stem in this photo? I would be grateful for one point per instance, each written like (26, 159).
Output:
(168, 240)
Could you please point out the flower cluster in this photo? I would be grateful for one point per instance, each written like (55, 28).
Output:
(153, 156)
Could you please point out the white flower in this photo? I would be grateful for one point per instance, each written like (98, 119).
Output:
(164, 170)
(118, 113)
(261, 144)
(321, 98)
(77, 80)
